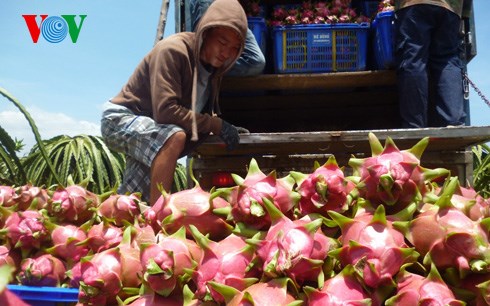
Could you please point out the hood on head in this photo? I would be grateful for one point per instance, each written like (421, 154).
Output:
(225, 13)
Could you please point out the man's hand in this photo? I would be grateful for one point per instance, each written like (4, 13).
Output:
(229, 134)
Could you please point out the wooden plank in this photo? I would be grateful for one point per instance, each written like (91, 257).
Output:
(332, 142)
(309, 81)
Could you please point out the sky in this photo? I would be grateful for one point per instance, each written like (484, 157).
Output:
(64, 85)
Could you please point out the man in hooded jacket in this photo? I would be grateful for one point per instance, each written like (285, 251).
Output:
(170, 102)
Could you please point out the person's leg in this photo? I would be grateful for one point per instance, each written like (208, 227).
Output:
(412, 32)
(252, 61)
(163, 165)
(446, 68)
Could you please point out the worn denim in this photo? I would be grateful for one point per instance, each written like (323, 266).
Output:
(429, 67)
(251, 62)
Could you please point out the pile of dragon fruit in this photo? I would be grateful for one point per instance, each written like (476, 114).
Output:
(391, 233)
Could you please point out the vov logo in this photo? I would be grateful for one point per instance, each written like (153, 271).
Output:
(54, 28)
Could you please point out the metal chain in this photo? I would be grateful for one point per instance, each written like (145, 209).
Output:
(467, 90)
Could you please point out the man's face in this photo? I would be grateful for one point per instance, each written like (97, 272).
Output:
(220, 45)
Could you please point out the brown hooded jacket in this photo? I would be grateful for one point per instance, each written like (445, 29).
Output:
(163, 85)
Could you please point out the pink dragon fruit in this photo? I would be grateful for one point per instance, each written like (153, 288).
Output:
(9, 256)
(121, 209)
(471, 203)
(153, 299)
(268, 293)
(25, 230)
(393, 177)
(414, 289)
(341, 290)
(166, 264)
(296, 249)
(372, 246)
(448, 238)
(43, 270)
(247, 196)
(101, 278)
(7, 193)
(103, 236)
(73, 204)
(191, 206)
(66, 240)
(30, 197)
(323, 190)
(473, 289)
(229, 262)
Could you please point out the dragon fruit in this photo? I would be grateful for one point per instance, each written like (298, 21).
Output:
(25, 230)
(103, 236)
(73, 204)
(471, 203)
(229, 262)
(414, 289)
(166, 263)
(268, 293)
(191, 206)
(323, 190)
(296, 249)
(341, 290)
(393, 177)
(30, 197)
(473, 289)
(66, 240)
(373, 246)
(43, 270)
(247, 196)
(7, 193)
(119, 209)
(100, 277)
(9, 256)
(449, 238)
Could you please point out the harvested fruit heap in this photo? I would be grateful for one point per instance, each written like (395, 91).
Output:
(393, 233)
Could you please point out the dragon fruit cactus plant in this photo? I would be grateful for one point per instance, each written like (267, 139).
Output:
(247, 197)
(447, 237)
(392, 177)
(167, 262)
(341, 290)
(231, 262)
(414, 289)
(296, 249)
(373, 246)
(190, 206)
(323, 190)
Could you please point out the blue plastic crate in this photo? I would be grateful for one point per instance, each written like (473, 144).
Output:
(259, 28)
(384, 40)
(45, 296)
(320, 48)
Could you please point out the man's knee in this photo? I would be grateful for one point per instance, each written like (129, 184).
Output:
(177, 141)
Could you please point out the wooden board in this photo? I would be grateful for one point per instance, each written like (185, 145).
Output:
(346, 142)
(309, 81)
